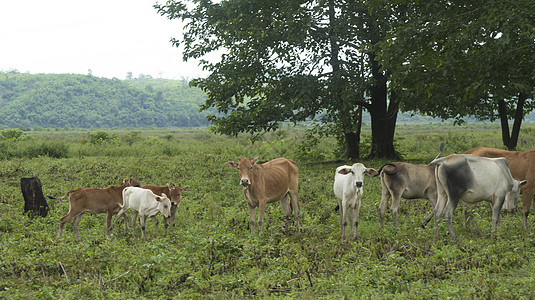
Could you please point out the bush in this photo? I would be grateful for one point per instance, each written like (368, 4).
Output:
(100, 137)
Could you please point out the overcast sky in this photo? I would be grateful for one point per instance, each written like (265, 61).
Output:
(110, 37)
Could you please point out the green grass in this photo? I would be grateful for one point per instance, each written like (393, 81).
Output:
(210, 253)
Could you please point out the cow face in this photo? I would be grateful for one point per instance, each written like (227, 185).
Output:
(357, 171)
(164, 205)
(511, 199)
(245, 167)
(175, 193)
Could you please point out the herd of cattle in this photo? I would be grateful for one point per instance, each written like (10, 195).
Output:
(481, 174)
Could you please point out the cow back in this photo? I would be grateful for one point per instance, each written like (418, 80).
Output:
(273, 179)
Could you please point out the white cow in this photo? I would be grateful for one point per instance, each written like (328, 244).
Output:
(144, 202)
(347, 188)
(469, 179)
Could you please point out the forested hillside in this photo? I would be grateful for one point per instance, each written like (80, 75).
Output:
(84, 101)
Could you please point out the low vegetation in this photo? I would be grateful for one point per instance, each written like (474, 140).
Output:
(210, 252)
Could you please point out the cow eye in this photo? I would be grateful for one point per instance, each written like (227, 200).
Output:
(251, 168)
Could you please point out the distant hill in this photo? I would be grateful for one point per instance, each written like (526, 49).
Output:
(84, 101)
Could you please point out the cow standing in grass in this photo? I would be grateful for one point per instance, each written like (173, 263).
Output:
(145, 203)
(272, 181)
(469, 179)
(521, 165)
(175, 195)
(409, 181)
(348, 189)
(94, 201)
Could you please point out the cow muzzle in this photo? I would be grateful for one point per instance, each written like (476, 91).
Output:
(245, 182)
(358, 184)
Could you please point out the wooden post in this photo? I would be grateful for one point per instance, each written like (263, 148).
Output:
(34, 200)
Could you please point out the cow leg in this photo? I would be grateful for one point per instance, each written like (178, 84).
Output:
(385, 196)
(294, 200)
(433, 202)
(252, 217)
(343, 218)
(496, 216)
(450, 207)
(442, 201)
(109, 216)
(287, 209)
(527, 199)
(396, 196)
(142, 220)
(66, 218)
(174, 209)
(354, 220)
(165, 225)
(75, 222)
(121, 213)
(133, 222)
(156, 222)
(261, 212)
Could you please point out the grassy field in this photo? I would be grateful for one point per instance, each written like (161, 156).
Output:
(210, 252)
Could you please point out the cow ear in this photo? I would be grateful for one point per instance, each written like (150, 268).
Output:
(344, 171)
(158, 199)
(164, 195)
(523, 182)
(185, 188)
(255, 159)
(371, 171)
(232, 164)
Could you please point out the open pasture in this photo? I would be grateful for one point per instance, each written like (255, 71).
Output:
(210, 252)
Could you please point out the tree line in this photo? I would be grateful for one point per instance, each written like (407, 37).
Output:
(85, 101)
(329, 60)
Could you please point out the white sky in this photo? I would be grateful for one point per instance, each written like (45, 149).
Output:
(110, 37)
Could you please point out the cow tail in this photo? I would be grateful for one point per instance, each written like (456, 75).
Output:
(63, 197)
(386, 171)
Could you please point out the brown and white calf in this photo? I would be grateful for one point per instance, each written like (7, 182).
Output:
(175, 195)
(408, 181)
(145, 203)
(521, 165)
(272, 181)
(469, 179)
(94, 201)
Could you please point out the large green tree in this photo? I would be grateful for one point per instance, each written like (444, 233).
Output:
(291, 61)
(453, 59)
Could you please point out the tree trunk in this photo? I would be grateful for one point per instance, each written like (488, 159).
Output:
(510, 140)
(383, 115)
(519, 115)
(34, 200)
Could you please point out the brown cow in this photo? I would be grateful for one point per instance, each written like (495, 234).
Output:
(94, 201)
(408, 181)
(521, 165)
(269, 182)
(175, 195)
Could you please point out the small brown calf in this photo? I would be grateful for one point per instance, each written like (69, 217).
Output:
(94, 201)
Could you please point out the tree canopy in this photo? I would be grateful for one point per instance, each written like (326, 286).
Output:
(288, 61)
(452, 59)
(324, 60)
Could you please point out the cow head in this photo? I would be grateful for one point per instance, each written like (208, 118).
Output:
(175, 193)
(511, 200)
(164, 205)
(245, 167)
(130, 182)
(357, 171)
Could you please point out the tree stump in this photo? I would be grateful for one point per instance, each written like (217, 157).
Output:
(34, 200)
